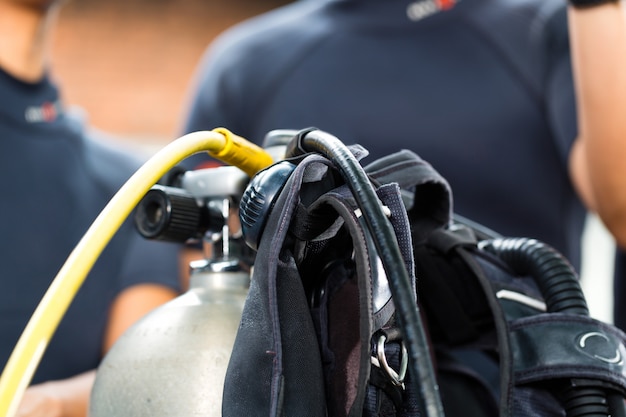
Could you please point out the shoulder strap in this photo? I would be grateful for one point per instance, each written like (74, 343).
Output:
(266, 376)
(425, 192)
(354, 294)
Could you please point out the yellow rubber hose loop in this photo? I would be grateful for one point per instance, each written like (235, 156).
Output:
(34, 340)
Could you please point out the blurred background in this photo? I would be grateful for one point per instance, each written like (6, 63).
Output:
(129, 64)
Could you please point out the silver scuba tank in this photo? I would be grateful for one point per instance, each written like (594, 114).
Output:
(173, 361)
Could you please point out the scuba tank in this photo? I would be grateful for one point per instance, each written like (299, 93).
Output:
(173, 361)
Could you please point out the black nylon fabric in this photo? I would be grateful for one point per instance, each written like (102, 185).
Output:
(279, 364)
(346, 387)
(587, 349)
(306, 344)
(426, 194)
(275, 367)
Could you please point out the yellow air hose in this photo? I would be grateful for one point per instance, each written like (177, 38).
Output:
(219, 143)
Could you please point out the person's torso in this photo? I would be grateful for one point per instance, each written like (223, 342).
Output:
(466, 96)
(51, 195)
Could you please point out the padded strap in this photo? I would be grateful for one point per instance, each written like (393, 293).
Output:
(554, 346)
(426, 194)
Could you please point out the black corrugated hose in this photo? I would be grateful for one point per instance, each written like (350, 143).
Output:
(562, 293)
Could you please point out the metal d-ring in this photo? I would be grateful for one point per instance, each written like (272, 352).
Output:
(397, 378)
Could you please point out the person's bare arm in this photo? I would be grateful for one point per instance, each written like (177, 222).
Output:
(598, 159)
(68, 397)
(131, 305)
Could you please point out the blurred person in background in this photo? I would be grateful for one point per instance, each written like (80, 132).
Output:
(57, 179)
(519, 104)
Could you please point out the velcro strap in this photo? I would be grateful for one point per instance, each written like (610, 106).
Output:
(557, 345)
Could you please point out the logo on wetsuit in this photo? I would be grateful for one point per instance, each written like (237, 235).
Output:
(47, 112)
(420, 9)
